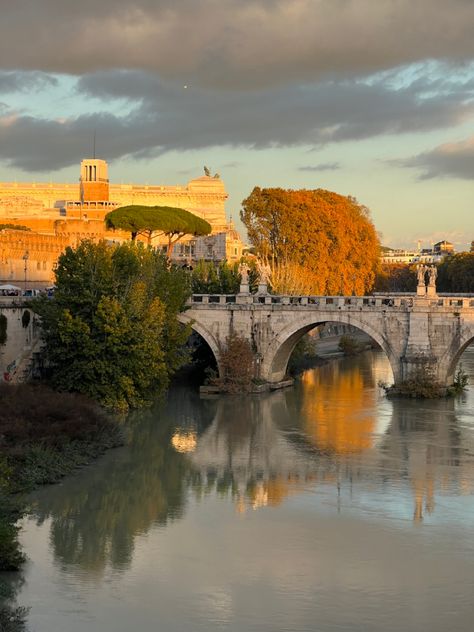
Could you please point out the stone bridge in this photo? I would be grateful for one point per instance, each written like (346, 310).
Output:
(412, 330)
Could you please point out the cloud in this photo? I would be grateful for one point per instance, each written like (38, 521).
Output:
(160, 116)
(450, 160)
(322, 166)
(25, 81)
(237, 43)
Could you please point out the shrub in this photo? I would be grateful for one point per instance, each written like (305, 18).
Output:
(12, 619)
(460, 383)
(349, 345)
(236, 361)
(421, 384)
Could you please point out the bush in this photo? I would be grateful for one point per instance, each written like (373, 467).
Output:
(11, 557)
(12, 619)
(236, 361)
(304, 356)
(460, 383)
(421, 384)
(349, 345)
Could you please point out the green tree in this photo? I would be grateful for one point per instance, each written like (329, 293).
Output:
(111, 329)
(395, 277)
(14, 227)
(456, 273)
(154, 221)
(315, 242)
(209, 277)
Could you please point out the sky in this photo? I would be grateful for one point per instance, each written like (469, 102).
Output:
(373, 99)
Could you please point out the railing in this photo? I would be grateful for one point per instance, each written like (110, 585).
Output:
(396, 301)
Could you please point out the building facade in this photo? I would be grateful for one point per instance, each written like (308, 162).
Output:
(60, 215)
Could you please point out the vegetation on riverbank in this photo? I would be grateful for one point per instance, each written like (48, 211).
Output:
(304, 356)
(422, 384)
(44, 436)
(350, 346)
(236, 362)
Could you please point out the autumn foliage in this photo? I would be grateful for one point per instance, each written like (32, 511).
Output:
(315, 241)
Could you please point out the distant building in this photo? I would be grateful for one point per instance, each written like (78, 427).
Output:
(425, 255)
(443, 248)
(224, 246)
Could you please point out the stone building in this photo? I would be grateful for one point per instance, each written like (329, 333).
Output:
(58, 215)
(225, 245)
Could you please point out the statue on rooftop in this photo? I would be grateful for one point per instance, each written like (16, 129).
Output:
(207, 171)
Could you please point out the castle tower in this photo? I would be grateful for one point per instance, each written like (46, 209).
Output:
(94, 182)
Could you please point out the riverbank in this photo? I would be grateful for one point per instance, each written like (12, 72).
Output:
(44, 435)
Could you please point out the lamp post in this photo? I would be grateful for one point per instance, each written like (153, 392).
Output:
(25, 259)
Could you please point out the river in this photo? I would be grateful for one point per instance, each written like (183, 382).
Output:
(323, 507)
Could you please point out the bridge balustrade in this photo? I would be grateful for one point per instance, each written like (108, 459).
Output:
(395, 302)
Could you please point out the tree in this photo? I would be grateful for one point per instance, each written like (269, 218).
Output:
(456, 273)
(395, 277)
(154, 221)
(14, 227)
(314, 241)
(111, 330)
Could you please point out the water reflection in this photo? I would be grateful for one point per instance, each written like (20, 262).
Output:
(338, 403)
(334, 433)
(96, 516)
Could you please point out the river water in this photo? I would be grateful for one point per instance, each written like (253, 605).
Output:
(324, 507)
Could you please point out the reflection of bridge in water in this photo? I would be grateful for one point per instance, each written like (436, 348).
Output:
(330, 431)
(411, 330)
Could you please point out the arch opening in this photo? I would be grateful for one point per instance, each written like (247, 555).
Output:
(464, 354)
(277, 361)
(204, 349)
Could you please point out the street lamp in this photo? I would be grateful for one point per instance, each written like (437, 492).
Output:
(25, 259)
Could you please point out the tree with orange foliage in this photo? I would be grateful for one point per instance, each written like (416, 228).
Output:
(315, 241)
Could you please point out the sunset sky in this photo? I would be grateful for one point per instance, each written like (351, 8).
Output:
(370, 98)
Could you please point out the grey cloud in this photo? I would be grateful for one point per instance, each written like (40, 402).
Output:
(322, 166)
(455, 160)
(167, 116)
(237, 43)
(25, 81)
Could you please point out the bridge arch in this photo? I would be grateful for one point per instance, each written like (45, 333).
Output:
(451, 359)
(275, 358)
(204, 332)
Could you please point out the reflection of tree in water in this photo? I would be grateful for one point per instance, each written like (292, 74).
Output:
(337, 405)
(97, 514)
(243, 452)
(257, 450)
(325, 431)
